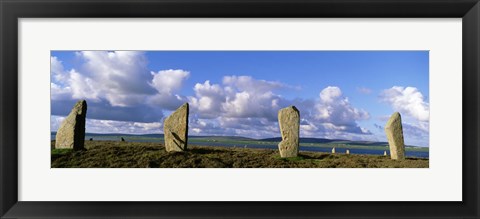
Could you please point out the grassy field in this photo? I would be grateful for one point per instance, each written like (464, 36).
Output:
(116, 154)
(240, 141)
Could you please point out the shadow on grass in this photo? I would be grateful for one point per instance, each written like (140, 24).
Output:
(203, 151)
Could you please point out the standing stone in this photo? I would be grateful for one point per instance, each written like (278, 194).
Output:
(175, 129)
(71, 133)
(394, 132)
(289, 121)
(347, 151)
(333, 150)
(384, 153)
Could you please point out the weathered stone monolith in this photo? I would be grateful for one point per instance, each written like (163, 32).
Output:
(384, 153)
(394, 132)
(71, 133)
(289, 121)
(333, 150)
(347, 151)
(175, 129)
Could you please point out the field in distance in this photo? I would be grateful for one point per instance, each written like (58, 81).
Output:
(306, 144)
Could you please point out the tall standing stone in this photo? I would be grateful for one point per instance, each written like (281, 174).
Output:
(289, 121)
(175, 129)
(71, 133)
(394, 132)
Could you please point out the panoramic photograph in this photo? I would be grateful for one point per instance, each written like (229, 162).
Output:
(239, 109)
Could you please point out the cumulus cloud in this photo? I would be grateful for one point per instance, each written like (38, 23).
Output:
(408, 101)
(168, 83)
(208, 99)
(120, 77)
(117, 86)
(60, 93)
(238, 97)
(84, 87)
(246, 105)
(335, 112)
(57, 71)
(124, 96)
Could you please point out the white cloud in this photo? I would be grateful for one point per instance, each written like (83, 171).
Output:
(330, 94)
(168, 83)
(60, 93)
(408, 101)
(111, 126)
(245, 105)
(119, 87)
(119, 77)
(251, 84)
(83, 87)
(208, 99)
(308, 129)
(335, 112)
(56, 70)
(237, 97)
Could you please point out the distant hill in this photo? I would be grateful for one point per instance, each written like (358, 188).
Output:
(239, 138)
(303, 140)
(330, 141)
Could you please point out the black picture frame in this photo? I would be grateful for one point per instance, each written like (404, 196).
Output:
(12, 10)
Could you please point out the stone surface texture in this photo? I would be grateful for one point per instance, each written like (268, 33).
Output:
(289, 121)
(71, 133)
(175, 129)
(394, 132)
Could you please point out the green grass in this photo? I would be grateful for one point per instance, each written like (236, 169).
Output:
(61, 151)
(116, 154)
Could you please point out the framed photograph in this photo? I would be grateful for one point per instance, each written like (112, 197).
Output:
(166, 109)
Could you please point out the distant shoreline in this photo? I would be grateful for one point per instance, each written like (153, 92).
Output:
(242, 138)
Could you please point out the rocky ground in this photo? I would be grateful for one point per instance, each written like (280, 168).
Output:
(111, 154)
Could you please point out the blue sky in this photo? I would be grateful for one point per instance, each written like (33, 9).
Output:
(340, 94)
